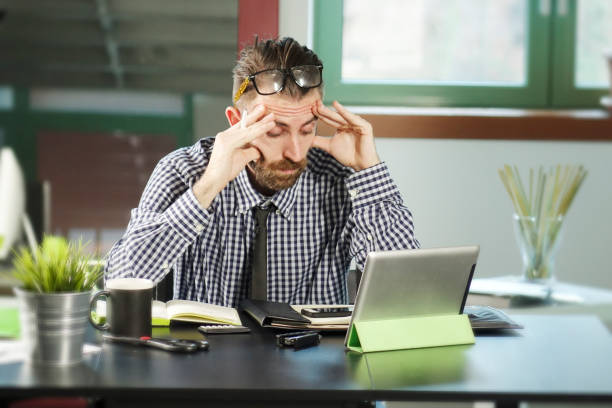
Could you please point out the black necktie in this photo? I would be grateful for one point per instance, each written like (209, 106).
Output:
(259, 280)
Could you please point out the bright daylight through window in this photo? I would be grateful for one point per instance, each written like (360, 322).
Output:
(493, 53)
(449, 41)
(593, 36)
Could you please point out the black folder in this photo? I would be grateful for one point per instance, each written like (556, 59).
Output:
(273, 314)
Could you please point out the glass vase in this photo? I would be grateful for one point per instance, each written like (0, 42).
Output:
(538, 239)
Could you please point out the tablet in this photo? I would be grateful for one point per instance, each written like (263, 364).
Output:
(402, 283)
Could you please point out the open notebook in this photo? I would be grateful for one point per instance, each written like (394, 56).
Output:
(194, 312)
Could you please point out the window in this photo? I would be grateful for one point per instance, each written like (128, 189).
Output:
(6, 98)
(593, 34)
(582, 32)
(521, 53)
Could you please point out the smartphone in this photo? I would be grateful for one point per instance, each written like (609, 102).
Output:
(327, 311)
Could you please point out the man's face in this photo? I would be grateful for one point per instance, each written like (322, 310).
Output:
(284, 148)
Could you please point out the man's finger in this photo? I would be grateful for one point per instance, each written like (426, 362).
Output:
(325, 112)
(331, 118)
(322, 142)
(332, 122)
(350, 117)
(248, 117)
(250, 154)
(252, 116)
(257, 114)
(256, 130)
(240, 136)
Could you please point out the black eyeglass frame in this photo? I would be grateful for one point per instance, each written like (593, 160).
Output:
(286, 72)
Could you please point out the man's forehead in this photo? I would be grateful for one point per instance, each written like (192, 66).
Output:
(280, 110)
(287, 107)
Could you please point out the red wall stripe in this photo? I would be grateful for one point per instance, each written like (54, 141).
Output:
(256, 17)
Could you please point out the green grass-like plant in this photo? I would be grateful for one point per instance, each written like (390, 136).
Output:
(56, 266)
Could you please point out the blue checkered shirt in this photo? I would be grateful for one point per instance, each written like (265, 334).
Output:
(331, 215)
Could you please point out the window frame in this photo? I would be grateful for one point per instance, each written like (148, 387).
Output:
(542, 89)
(564, 92)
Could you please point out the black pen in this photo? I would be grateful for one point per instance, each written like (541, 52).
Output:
(176, 345)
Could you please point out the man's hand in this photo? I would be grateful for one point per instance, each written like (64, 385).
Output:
(353, 143)
(231, 152)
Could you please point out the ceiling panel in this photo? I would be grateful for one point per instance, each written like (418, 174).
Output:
(179, 8)
(193, 56)
(176, 32)
(178, 45)
(51, 9)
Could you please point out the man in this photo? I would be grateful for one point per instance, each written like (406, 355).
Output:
(267, 209)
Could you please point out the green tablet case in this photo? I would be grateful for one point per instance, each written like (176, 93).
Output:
(410, 332)
(404, 368)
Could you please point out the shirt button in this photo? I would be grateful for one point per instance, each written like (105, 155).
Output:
(353, 193)
(166, 266)
(199, 228)
(278, 212)
(369, 236)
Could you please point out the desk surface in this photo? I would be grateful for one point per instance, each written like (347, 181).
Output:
(554, 358)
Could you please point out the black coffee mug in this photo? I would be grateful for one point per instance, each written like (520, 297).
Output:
(128, 307)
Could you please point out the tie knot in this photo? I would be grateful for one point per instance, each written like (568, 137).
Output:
(261, 214)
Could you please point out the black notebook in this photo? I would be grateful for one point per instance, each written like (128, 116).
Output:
(273, 314)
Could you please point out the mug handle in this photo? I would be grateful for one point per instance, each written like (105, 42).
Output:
(92, 306)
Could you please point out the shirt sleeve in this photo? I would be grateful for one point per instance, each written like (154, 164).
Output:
(379, 220)
(167, 221)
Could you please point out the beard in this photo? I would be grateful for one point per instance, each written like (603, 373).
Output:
(269, 177)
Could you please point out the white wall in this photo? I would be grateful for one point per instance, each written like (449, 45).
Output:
(209, 114)
(453, 189)
(294, 17)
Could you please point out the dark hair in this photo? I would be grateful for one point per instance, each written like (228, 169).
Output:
(267, 54)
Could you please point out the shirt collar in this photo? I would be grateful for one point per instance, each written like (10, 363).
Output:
(247, 197)
(284, 199)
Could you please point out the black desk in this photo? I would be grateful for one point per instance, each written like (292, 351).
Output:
(556, 358)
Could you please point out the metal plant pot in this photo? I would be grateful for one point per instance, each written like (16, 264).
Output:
(53, 325)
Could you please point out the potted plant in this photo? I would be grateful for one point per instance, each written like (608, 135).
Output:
(57, 280)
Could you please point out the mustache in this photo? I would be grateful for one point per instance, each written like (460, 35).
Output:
(287, 164)
(284, 164)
